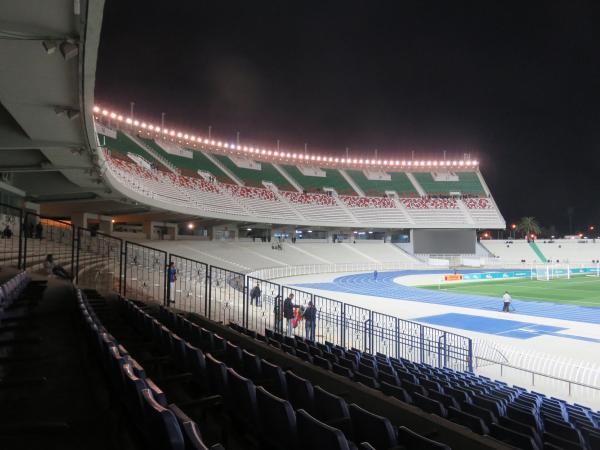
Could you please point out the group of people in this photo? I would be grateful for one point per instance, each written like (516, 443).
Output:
(290, 312)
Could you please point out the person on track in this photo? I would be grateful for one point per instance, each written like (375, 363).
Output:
(506, 299)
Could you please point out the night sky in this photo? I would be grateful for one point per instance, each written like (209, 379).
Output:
(516, 85)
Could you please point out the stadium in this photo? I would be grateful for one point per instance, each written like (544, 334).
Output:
(210, 292)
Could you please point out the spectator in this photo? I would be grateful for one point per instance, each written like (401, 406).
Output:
(39, 229)
(310, 316)
(54, 269)
(172, 275)
(7, 233)
(288, 313)
(255, 295)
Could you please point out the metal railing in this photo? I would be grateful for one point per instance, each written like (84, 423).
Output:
(533, 374)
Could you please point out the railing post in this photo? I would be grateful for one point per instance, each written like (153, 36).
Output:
(208, 306)
(121, 267)
(21, 232)
(73, 238)
(77, 255)
(470, 356)
(343, 325)
(124, 256)
(422, 343)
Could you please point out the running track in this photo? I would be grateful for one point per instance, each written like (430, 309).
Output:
(385, 287)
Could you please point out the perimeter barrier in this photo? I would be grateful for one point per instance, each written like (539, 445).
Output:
(106, 263)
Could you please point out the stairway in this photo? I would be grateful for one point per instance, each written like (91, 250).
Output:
(538, 252)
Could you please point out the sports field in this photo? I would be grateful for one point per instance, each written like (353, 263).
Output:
(580, 290)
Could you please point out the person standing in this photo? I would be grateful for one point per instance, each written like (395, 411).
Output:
(506, 299)
(310, 317)
(288, 313)
(255, 295)
(375, 275)
(172, 276)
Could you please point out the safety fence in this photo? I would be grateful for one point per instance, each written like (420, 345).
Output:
(11, 226)
(140, 272)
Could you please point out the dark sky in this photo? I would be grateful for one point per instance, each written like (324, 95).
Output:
(515, 84)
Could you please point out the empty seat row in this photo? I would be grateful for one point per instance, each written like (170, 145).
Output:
(487, 407)
(162, 426)
(290, 406)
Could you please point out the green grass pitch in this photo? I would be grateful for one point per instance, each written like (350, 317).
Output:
(579, 290)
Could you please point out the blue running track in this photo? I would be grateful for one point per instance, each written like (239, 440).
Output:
(385, 287)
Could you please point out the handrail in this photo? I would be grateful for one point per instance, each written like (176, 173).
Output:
(534, 373)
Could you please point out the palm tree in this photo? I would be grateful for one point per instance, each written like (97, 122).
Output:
(528, 225)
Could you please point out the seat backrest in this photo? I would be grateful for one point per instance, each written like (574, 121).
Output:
(315, 434)
(395, 391)
(217, 375)
(277, 418)
(275, 378)
(241, 399)
(474, 423)
(252, 366)
(374, 429)
(410, 439)
(330, 406)
(300, 392)
(322, 362)
(189, 428)
(366, 380)
(429, 405)
(444, 399)
(233, 355)
(341, 370)
(485, 414)
(512, 437)
(162, 428)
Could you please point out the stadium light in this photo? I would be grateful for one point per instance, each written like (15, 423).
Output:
(282, 154)
(190, 226)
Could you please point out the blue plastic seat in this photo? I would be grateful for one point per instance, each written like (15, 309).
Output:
(371, 428)
(300, 391)
(278, 420)
(274, 379)
(474, 423)
(241, 400)
(162, 427)
(315, 434)
(410, 439)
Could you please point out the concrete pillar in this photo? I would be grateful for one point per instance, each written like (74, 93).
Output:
(106, 224)
(79, 220)
(147, 229)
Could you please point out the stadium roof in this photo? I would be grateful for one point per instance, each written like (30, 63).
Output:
(47, 81)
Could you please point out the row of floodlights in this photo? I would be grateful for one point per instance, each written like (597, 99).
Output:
(277, 153)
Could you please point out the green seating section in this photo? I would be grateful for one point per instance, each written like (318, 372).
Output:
(253, 177)
(198, 162)
(334, 179)
(124, 145)
(399, 183)
(468, 183)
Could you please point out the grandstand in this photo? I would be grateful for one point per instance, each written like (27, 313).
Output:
(103, 346)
